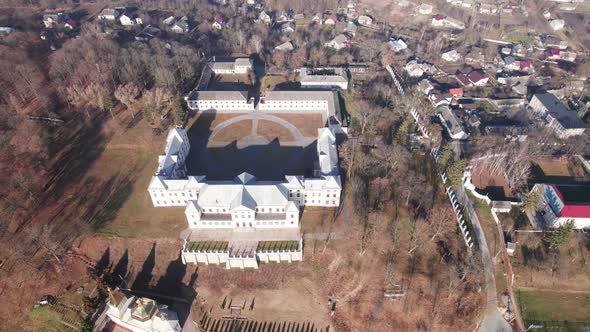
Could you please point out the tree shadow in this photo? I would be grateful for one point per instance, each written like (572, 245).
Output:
(119, 272)
(144, 277)
(104, 262)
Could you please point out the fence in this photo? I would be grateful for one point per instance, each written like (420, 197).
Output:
(464, 226)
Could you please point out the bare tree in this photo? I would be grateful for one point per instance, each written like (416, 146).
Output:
(127, 94)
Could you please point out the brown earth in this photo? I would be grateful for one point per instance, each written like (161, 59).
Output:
(272, 130)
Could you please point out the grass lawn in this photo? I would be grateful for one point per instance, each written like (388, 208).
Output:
(269, 82)
(40, 319)
(315, 217)
(131, 158)
(137, 218)
(554, 305)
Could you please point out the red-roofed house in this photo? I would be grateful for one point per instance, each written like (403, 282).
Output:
(525, 65)
(218, 23)
(478, 78)
(564, 203)
(553, 53)
(456, 92)
(330, 20)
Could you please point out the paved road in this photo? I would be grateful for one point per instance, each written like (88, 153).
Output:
(493, 320)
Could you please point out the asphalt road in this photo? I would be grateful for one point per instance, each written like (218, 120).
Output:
(492, 320)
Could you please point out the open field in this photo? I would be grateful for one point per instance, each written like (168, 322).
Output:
(495, 186)
(554, 305)
(234, 132)
(308, 124)
(271, 131)
(128, 161)
(558, 170)
(204, 123)
(266, 161)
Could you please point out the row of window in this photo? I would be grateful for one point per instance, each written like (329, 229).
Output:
(320, 202)
(229, 223)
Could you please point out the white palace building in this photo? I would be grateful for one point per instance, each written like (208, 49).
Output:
(244, 221)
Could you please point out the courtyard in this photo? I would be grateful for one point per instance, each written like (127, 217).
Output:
(266, 145)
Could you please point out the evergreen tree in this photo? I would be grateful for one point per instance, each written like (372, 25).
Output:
(560, 235)
(455, 172)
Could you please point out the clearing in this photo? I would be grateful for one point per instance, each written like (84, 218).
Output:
(552, 305)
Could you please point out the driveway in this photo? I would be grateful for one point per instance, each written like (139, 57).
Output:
(492, 320)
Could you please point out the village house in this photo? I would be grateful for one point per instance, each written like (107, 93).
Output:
(563, 122)
(317, 18)
(365, 20)
(338, 43)
(397, 45)
(488, 9)
(557, 54)
(441, 21)
(451, 56)
(168, 20)
(563, 203)
(425, 9)
(425, 86)
(109, 14)
(130, 20)
(285, 47)
(287, 27)
(330, 20)
(181, 26)
(218, 23)
(326, 79)
(263, 17)
(451, 123)
(557, 24)
(7, 30)
(474, 78)
(53, 20)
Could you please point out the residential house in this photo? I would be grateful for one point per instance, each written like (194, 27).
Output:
(53, 20)
(148, 33)
(451, 123)
(441, 21)
(425, 9)
(7, 30)
(563, 122)
(339, 42)
(285, 47)
(70, 24)
(317, 18)
(425, 86)
(456, 92)
(181, 26)
(330, 20)
(557, 24)
(414, 69)
(563, 203)
(218, 23)
(287, 27)
(451, 56)
(474, 78)
(326, 79)
(365, 20)
(130, 20)
(488, 8)
(557, 54)
(285, 17)
(238, 66)
(263, 17)
(109, 14)
(397, 45)
(169, 20)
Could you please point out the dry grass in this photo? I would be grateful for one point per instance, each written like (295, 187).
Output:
(271, 131)
(234, 131)
(554, 305)
(307, 124)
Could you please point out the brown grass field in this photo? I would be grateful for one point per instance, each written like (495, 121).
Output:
(271, 131)
(234, 132)
(308, 124)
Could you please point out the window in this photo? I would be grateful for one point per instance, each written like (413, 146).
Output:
(334, 195)
(157, 202)
(297, 194)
